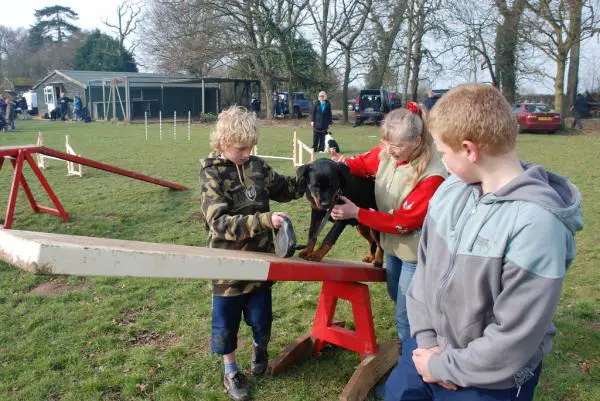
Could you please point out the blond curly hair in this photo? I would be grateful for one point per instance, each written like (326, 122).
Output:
(235, 125)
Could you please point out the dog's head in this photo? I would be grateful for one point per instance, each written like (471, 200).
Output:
(325, 179)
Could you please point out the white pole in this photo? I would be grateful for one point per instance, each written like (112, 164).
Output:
(146, 123)
(174, 125)
(160, 124)
(294, 150)
(189, 125)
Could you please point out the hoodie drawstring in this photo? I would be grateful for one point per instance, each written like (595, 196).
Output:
(244, 179)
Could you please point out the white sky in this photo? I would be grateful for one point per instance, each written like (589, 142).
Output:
(91, 15)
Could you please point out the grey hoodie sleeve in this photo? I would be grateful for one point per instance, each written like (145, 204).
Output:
(418, 315)
(534, 266)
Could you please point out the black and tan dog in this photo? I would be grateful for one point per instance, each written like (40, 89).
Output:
(325, 181)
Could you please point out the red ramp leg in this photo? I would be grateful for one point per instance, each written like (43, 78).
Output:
(362, 339)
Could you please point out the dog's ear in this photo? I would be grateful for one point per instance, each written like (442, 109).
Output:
(302, 171)
(343, 174)
(302, 176)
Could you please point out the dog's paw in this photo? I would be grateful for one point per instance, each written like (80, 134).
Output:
(378, 263)
(368, 259)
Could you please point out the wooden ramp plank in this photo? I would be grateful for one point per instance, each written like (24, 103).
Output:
(89, 256)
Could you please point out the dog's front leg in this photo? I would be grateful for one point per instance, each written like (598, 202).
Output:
(329, 241)
(316, 217)
(378, 260)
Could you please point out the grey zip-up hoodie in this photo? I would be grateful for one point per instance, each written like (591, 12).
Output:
(489, 276)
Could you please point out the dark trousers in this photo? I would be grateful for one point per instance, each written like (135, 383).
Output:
(405, 384)
(576, 120)
(227, 315)
(319, 140)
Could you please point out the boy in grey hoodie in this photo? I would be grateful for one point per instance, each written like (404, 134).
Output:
(497, 241)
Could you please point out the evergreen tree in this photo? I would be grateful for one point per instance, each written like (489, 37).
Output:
(100, 52)
(54, 24)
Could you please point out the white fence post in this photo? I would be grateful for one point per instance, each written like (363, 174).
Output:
(174, 125)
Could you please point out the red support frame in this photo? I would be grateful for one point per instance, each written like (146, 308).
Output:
(362, 339)
(19, 154)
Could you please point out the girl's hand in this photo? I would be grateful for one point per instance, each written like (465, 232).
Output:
(344, 211)
(277, 219)
(336, 157)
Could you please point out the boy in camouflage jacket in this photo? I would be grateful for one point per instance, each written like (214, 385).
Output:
(235, 192)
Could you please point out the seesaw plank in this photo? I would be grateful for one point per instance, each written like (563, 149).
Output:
(88, 256)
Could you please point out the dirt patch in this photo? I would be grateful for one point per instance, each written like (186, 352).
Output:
(591, 324)
(161, 341)
(128, 315)
(50, 288)
(196, 216)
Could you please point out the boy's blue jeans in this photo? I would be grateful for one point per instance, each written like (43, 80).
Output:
(405, 384)
(399, 276)
(227, 315)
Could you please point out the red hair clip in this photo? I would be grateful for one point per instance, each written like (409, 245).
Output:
(414, 107)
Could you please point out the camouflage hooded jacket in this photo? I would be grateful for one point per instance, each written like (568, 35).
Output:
(235, 205)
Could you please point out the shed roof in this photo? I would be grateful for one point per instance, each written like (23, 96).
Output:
(85, 78)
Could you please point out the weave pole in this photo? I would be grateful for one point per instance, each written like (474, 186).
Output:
(146, 123)
(174, 125)
(160, 124)
(189, 125)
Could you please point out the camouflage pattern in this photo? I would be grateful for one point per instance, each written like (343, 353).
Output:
(236, 210)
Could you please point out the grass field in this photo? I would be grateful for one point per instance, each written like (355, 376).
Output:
(75, 338)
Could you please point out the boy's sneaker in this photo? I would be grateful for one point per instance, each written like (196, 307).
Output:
(237, 386)
(260, 360)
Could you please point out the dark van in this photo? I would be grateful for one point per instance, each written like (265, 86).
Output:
(373, 105)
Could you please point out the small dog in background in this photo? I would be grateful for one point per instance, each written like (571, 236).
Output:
(331, 143)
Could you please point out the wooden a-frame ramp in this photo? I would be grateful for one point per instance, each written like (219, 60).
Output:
(87, 256)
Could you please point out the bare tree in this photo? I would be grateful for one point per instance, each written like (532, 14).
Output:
(470, 37)
(256, 32)
(426, 20)
(355, 14)
(507, 39)
(183, 36)
(552, 32)
(386, 18)
(327, 22)
(126, 24)
(409, 49)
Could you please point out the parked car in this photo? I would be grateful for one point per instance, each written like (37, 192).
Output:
(301, 104)
(536, 117)
(373, 105)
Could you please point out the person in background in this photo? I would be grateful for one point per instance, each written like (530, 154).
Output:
(63, 104)
(580, 109)
(255, 105)
(24, 107)
(11, 109)
(321, 120)
(77, 108)
(429, 101)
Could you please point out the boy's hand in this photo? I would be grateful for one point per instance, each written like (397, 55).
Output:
(312, 123)
(421, 358)
(346, 210)
(277, 219)
(336, 157)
